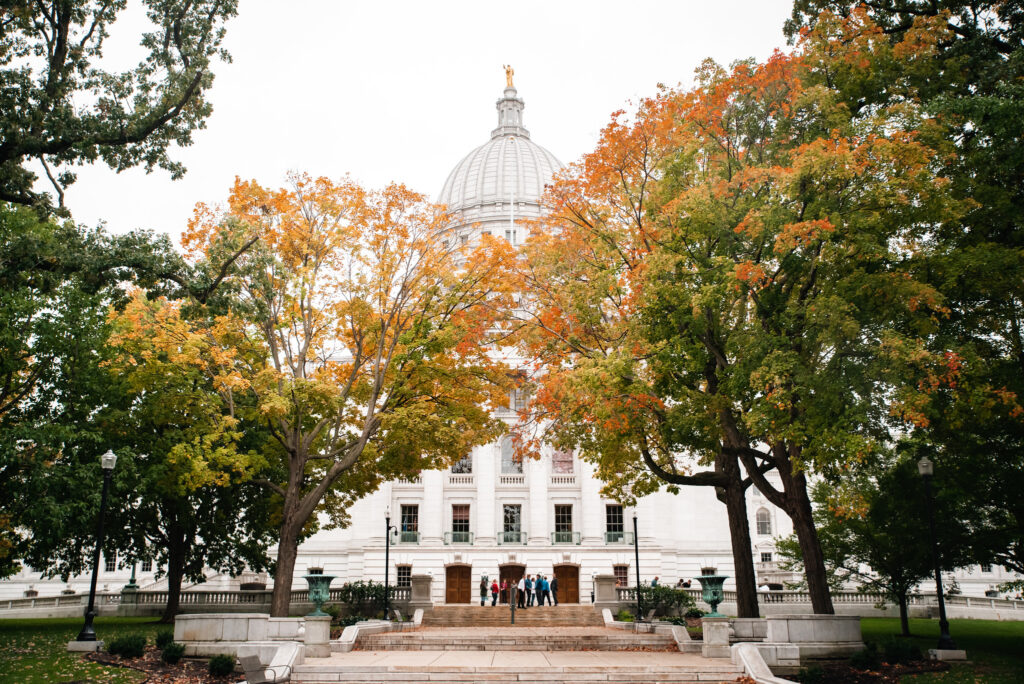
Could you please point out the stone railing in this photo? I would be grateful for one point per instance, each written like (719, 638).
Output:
(512, 480)
(979, 602)
(563, 480)
(845, 597)
(460, 479)
(408, 481)
(151, 602)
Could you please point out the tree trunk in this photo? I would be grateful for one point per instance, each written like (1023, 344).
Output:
(799, 510)
(904, 618)
(287, 550)
(733, 496)
(175, 571)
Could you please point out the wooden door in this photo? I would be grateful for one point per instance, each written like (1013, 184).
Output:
(568, 583)
(512, 573)
(456, 584)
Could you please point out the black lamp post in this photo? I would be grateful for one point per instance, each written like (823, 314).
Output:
(107, 461)
(387, 562)
(926, 468)
(636, 551)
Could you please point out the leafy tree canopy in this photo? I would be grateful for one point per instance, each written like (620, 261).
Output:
(60, 108)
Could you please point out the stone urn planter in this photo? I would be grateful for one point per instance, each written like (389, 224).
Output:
(711, 590)
(319, 591)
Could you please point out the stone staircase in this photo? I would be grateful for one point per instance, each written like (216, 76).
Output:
(523, 639)
(605, 674)
(499, 616)
(421, 667)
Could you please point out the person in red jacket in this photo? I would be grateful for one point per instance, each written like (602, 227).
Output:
(494, 593)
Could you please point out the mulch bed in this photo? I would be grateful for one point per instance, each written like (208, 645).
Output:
(843, 673)
(186, 671)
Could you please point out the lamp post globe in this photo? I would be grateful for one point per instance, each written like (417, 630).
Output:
(926, 469)
(107, 463)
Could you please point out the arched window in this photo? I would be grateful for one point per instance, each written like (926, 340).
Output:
(764, 522)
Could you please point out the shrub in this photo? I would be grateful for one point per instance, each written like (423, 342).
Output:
(334, 610)
(624, 616)
(128, 646)
(694, 612)
(675, 620)
(164, 637)
(362, 595)
(349, 620)
(900, 651)
(173, 652)
(664, 600)
(812, 675)
(221, 665)
(868, 659)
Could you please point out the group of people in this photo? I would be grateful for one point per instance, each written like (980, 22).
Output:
(530, 591)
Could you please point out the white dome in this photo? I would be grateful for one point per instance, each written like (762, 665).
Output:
(509, 167)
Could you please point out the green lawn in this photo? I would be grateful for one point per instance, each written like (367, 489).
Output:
(34, 650)
(996, 649)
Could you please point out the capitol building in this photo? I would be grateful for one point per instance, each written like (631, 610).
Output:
(492, 514)
(496, 516)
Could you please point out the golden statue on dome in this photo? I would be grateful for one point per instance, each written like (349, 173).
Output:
(509, 72)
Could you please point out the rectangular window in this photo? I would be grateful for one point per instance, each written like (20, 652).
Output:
(621, 575)
(510, 463)
(464, 465)
(986, 568)
(563, 517)
(460, 518)
(613, 521)
(513, 518)
(110, 563)
(463, 239)
(147, 566)
(410, 526)
(766, 557)
(404, 573)
(561, 462)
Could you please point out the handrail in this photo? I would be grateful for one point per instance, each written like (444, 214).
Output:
(618, 537)
(511, 538)
(458, 537)
(565, 537)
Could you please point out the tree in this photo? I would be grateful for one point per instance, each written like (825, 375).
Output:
(763, 270)
(56, 283)
(595, 392)
(58, 108)
(375, 339)
(971, 80)
(879, 543)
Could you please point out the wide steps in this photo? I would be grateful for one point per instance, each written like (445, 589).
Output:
(499, 616)
(304, 674)
(440, 641)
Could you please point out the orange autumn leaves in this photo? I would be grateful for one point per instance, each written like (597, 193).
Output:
(345, 316)
(754, 183)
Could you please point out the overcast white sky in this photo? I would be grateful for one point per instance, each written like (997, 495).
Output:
(403, 90)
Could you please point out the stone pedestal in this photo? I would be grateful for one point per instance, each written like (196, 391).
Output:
(947, 654)
(817, 636)
(318, 637)
(716, 637)
(84, 646)
(420, 592)
(605, 595)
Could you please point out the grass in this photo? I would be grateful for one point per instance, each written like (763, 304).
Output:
(34, 651)
(995, 649)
